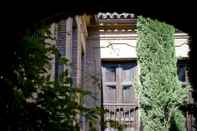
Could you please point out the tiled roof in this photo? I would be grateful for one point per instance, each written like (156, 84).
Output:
(115, 15)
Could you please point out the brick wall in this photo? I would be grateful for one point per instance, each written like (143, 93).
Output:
(76, 59)
(61, 45)
(53, 41)
(84, 60)
(92, 73)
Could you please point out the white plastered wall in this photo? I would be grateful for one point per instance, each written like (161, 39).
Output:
(123, 45)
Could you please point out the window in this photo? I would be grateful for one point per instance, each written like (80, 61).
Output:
(182, 71)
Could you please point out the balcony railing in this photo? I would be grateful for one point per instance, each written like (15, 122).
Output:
(123, 113)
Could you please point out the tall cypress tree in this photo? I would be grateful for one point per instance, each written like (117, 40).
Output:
(160, 91)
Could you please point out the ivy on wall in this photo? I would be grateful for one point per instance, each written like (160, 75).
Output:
(159, 89)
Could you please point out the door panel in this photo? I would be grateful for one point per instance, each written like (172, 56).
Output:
(118, 82)
(127, 82)
(109, 81)
(118, 93)
(110, 74)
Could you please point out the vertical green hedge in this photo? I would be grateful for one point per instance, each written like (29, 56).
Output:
(160, 91)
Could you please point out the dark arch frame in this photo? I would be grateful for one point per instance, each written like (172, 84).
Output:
(28, 18)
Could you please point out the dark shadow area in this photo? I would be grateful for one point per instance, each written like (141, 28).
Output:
(173, 126)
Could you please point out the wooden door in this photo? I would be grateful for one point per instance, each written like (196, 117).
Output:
(119, 94)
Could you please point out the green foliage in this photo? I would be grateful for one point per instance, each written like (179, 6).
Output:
(159, 90)
(177, 122)
(115, 125)
(30, 100)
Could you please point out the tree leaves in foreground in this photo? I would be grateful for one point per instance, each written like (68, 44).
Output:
(29, 99)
